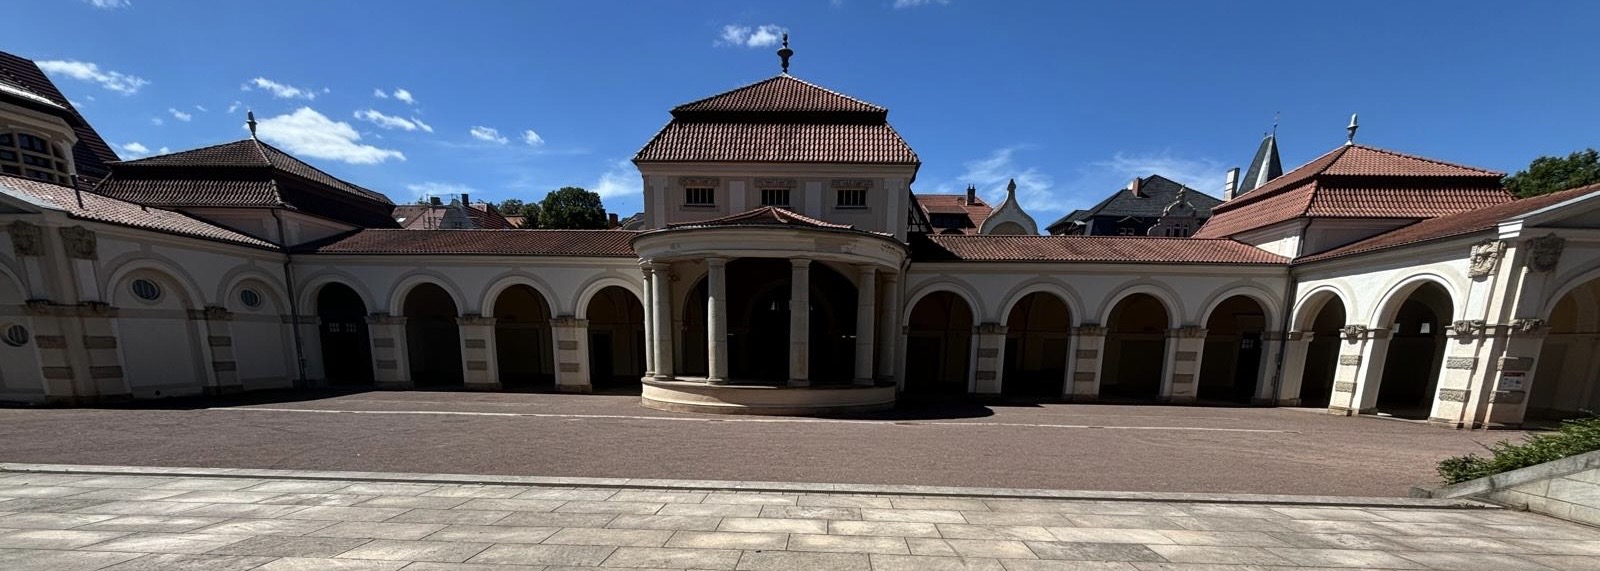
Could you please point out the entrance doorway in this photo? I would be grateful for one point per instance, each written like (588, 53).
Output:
(342, 326)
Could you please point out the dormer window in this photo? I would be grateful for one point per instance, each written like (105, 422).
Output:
(32, 156)
(699, 196)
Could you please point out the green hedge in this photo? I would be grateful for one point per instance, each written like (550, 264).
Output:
(1573, 438)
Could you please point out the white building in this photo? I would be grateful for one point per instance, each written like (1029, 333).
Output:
(787, 265)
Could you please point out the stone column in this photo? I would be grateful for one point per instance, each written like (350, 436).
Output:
(889, 338)
(1186, 345)
(1272, 344)
(1512, 374)
(215, 327)
(572, 354)
(800, 323)
(480, 366)
(1297, 347)
(1453, 390)
(1085, 372)
(716, 321)
(661, 299)
(649, 320)
(390, 367)
(866, 323)
(991, 358)
(1359, 348)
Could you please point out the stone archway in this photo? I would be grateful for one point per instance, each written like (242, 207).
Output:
(522, 338)
(1566, 381)
(939, 345)
(1415, 354)
(1231, 367)
(1038, 334)
(616, 339)
(346, 347)
(433, 338)
(1322, 354)
(1136, 349)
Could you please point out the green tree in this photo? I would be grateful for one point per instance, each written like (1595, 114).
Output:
(511, 207)
(571, 207)
(1551, 174)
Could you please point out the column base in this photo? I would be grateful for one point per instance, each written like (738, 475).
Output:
(716, 381)
(1082, 398)
(1289, 402)
(1180, 400)
(394, 385)
(864, 382)
(1341, 411)
(1446, 423)
(799, 382)
(484, 386)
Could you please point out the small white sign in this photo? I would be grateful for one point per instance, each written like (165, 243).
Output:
(1510, 381)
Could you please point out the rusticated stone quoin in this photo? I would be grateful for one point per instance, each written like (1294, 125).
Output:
(1344, 387)
(475, 343)
(1454, 395)
(26, 239)
(1463, 363)
(1350, 360)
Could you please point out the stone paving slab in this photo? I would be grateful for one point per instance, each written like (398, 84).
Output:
(68, 519)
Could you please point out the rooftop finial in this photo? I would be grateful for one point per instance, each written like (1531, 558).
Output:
(784, 52)
(250, 120)
(1351, 140)
(1011, 189)
(1275, 116)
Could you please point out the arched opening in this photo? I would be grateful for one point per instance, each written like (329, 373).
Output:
(1136, 349)
(616, 339)
(160, 345)
(259, 324)
(1566, 381)
(346, 350)
(938, 345)
(433, 338)
(1322, 355)
(1231, 365)
(1416, 353)
(1037, 336)
(758, 323)
(522, 338)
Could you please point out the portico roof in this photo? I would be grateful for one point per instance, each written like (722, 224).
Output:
(764, 216)
(1102, 249)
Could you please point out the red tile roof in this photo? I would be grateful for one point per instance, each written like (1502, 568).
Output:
(246, 154)
(783, 93)
(91, 154)
(777, 142)
(1356, 181)
(1106, 249)
(1454, 225)
(764, 216)
(977, 212)
(112, 211)
(588, 243)
(424, 217)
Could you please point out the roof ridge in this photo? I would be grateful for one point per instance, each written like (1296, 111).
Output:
(141, 160)
(1427, 159)
(875, 106)
(782, 76)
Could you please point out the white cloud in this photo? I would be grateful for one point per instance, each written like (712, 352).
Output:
(279, 90)
(201, 108)
(532, 138)
(488, 134)
(134, 150)
(235, 106)
(621, 180)
(110, 4)
(163, 151)
(443, 189)
(85, 71)
(307, 133)
(751, 37)
(404, 96)
(991, 174)
(1202, 174)
(157, 121)
(179, 115)
(379, 93)
(914, 3)
(392, 122)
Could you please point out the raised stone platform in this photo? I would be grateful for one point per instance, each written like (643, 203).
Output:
(695, 395)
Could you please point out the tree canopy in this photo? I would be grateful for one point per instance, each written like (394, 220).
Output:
(570, 207)
(529, 211)
(1551, 174)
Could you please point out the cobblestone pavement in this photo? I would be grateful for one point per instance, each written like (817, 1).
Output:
(138, 521)
(1061, 446)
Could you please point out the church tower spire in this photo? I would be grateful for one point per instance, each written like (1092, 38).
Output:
(1265, 166)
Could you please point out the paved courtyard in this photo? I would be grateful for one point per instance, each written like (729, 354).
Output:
(1056, 446)
(150, 521)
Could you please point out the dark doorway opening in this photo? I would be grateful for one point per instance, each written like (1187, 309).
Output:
(433, 338)
(522, 338)
(1037, 337)
(938, 345)
(346, 347)
(1136, 349)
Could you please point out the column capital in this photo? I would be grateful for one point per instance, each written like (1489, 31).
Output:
(1090, 329)
(867, 269)
(800, 263)
(1189, 332)
(383, 318)
(474, 319)
(716, 262)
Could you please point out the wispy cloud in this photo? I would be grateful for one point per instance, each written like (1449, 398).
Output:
(422, 189)
(157, 121)
(734, 35)
(110, 4)
(620, 180)
(1035, 188)
(201, 108)
(899, 4)
(134, 150)
(1202, 174)
(404, 96)
(179, 115)
(488, 134)
(311, 134)
(380, 94)
(86, 71)
(531, 138)
(280, 90)
(392, 122)
(232, 107)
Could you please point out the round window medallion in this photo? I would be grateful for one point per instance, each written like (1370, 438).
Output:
(251, 298)
(146, 290)
(16, 335)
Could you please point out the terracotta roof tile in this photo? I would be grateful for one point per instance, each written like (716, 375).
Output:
(1460, 224)
(777, 142)
(247, 153)
(112, 211)
(1107, 249)
(955, 204)
(1398, 202)
(783, 93)
(589, 243)
(188, 192)
(423, 217)
(764, 216)
(1362, 160)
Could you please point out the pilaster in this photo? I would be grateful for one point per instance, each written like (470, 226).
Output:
(1185, 347)
(1272, 346)
(216, 328)
(991, 341)
(1361, 354)
(1512, 374)
(480, 366)
(572, 354)
(1086, 361)
(1296, 348)
(390, 368)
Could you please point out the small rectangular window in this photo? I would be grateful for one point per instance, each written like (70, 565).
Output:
(699, 196)
(852, 198)
(774, 197)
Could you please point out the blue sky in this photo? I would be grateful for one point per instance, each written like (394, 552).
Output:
(1071, 98)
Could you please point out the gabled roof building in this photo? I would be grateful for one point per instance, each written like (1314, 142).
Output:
(785, 263)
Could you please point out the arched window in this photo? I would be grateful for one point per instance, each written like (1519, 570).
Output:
(33, 156)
